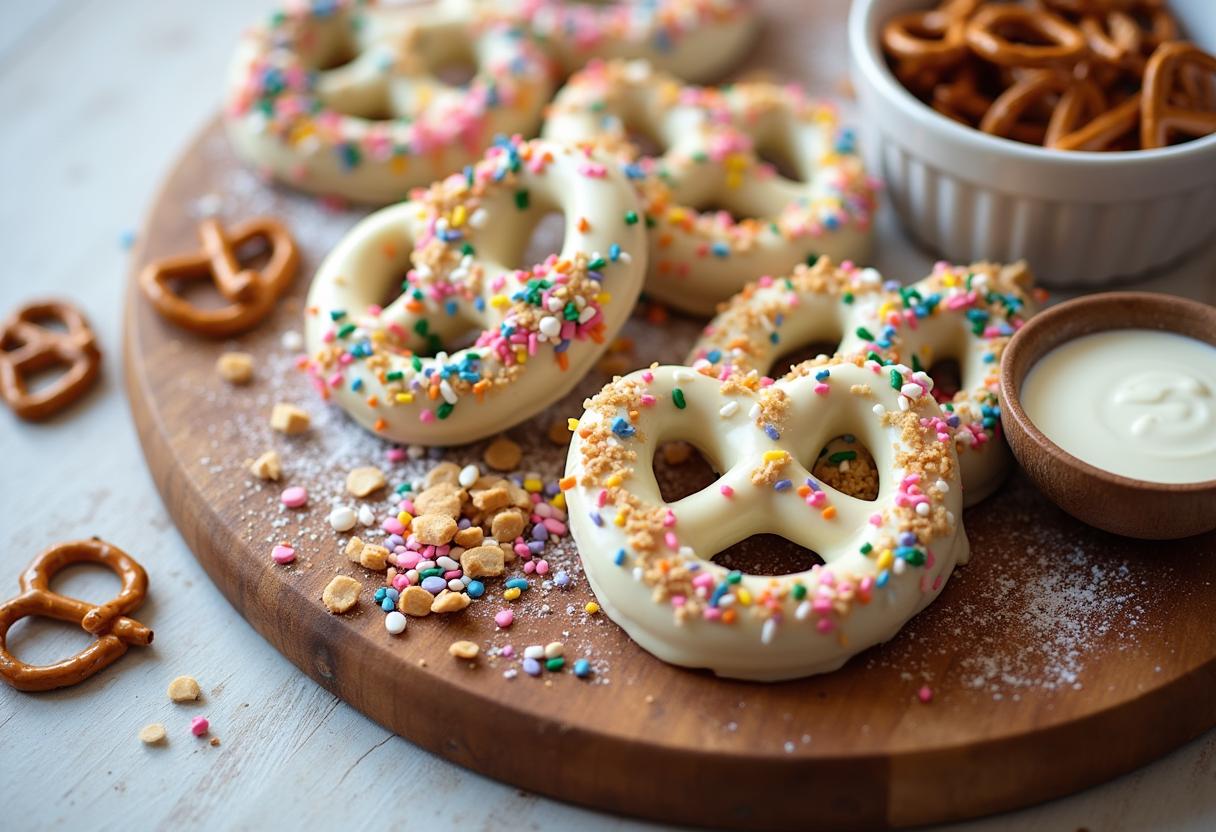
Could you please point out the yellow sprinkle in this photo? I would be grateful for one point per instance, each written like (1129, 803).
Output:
(613, 481)
(775, 456)
(379, 335)
(603, 298)
(404, 517)
(512, 593)
(397, 165)
(533, 485)
(500, 301)
(592, 608)
(743, 597)
(404, 398)
(559, 501)
(619, 519)
(885, 559)
(459, 214)
(572, 425)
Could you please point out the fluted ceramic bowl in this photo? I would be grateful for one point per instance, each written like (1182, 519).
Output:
(1081, 219)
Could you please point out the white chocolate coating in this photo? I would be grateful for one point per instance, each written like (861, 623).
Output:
(1136, 402)
(948, 315)
(541, 328)
(721, 213)
(649, 561)
(698, 40)
(383, 122)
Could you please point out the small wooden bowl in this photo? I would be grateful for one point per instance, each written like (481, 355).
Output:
(1123, 505)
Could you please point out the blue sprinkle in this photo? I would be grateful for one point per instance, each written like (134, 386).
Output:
(614, 252)
(772, 432)
(823, 375)
(620, 557)
(379, 596)
(582, 668)
(392, 592)
(476, 589)
(714, 356)
(883, 577)
(517, 583)
(597, 519)
(720, 249)
(536, 546)
(388, 604)
(622, 428)
(561, 579)
(783, 485)
(532, 667)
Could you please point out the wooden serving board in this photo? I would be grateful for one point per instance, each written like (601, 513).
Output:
(1058, 658)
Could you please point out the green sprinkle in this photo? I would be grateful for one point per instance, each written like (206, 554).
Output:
(847, 297)
(404, 488)
(873, 356)
(631, 218)
(597, 264)
(428, 573)
(445, 410)
(897, 381)
(916, 365)
(734, 576)
(799, 592)
(812, 259)
(467, 250)
(346, 329)
(555, 664)
(677, 396)
(915, 558)
(866, 548)
(864, 334)
(416, 363)
(394, 375)
(422, 327)
(522, 200)
(337, 315)
(841, 456)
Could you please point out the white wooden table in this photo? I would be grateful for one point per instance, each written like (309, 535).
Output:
(98, 98)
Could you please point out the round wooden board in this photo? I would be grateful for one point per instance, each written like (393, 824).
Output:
(1060, 657)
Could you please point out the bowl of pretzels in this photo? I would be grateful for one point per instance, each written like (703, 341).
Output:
(1079, 135)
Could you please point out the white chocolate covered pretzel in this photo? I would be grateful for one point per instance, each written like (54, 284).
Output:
(698, 40)
(649, 561)
(346, 98)
(964, 313)
(722, 214)
(444, 261)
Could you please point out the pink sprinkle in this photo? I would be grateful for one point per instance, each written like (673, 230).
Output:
(825, 625)
(647, 376)
(712, 613)
(409, 560)
(507, 651)
(393, 526)
(522, 550)
(555, 527)
(504, 619)
(426, 416)
(670, 540)
(542, 567)
(400, 581)
(395, 454)
(199, 726)
(875, 519)
(282, 554)
(529, 567)
(452, 574)
(925, 694)
(294, 497)
(727, 491)
(822, 389)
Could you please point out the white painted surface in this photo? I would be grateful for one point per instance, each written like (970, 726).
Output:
(98, 99)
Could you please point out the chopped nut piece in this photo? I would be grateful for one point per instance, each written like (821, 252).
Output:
(503, 454)
(354, 548)
(491, 499)
(152, 733)
(184, 689)
(373, 557)
(444, 472)
(235, 367)
(341, 594)
(267, 466)
(507, 525)
(433, 529)
(289, 419)
(464, 650)
(520, 498)
(448, 601)
(415, 601)
(444, 498)
(482, 561)
(470, 537)
(365, 480)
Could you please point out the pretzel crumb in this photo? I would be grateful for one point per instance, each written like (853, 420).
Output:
(464, 650)
(503, 454)
(415, 601)
(267, 466)
(365, 480)
(373, 557)
(433, 529)
(341, 594)
(448, 601)
(482, 561)
(152, 734)
(235, 367)
(184, 689)
(289, 419)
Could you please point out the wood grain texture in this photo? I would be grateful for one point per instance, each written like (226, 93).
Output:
(658, 741)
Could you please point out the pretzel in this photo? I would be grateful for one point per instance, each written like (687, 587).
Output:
(967, 313)
(1159, 118)
(1102, 132)
(398, 369)
(108, 621)
(927, 39)
(719, 213)
(649, 561)
(251, 294)
(990, 29)
(1115, 37)
(1078, 101)
(28, 347)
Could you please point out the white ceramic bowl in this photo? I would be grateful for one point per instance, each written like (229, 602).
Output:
(1080, 219)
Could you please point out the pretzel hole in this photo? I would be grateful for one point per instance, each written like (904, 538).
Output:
(767, 554)
(847, 465)
(46, 321)
(1022, 34)
(803, 352)
(947, 375)
(543, 234)
(43, 375)
(36, 641)
(776, 150)
(643, 135)
(681, 468)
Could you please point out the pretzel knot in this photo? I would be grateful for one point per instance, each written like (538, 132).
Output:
(1178, 94)
(26, 346)
(251, 293)
(108, 621)
(1017, 36)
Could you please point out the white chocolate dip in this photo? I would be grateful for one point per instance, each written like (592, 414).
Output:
(1136, 402)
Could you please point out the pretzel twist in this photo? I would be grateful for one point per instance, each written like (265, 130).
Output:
(28, 347)
(1166, 73)
(989, 34)
(251, 294)
(108, 621)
